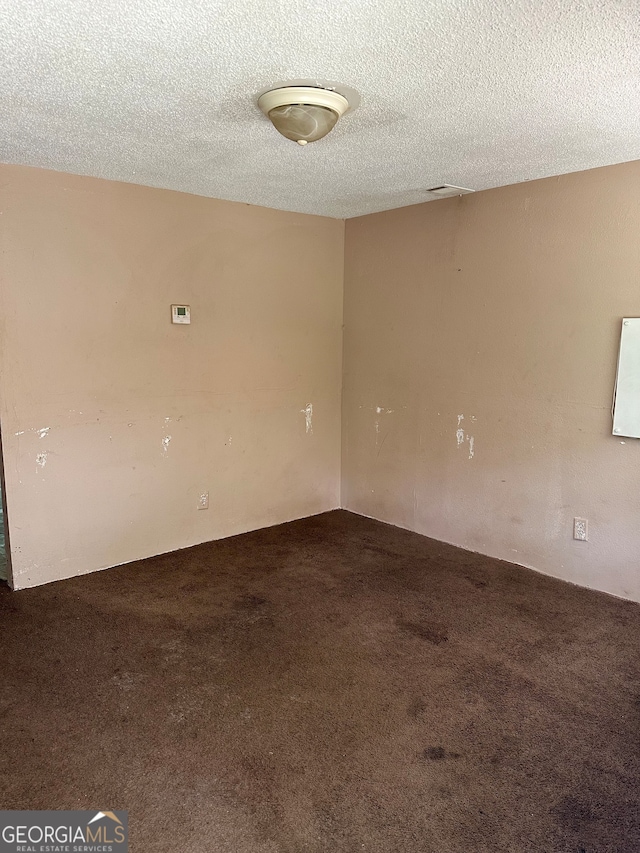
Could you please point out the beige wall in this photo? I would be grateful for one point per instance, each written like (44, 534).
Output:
(94, 379)
(501, 309)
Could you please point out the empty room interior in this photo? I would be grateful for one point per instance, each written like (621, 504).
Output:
(319, 412)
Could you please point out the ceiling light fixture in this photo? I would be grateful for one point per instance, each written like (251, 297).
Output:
(303, 113)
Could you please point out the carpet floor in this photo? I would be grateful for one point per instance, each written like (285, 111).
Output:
(332, 685)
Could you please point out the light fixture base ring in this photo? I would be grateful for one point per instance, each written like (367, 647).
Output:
(310, 95)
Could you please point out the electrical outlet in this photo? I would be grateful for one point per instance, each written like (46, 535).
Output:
(203, 501)
(580, 529)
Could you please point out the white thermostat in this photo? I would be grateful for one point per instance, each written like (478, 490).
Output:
(180, 314)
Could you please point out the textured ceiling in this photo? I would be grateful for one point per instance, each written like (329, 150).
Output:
(468, 92)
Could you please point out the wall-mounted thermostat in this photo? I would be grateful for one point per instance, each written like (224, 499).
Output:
(180, 314)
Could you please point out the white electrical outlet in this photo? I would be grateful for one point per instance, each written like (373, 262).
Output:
(581, 529)
(203, 501)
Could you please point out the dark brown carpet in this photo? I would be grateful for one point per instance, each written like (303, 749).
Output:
(334, 684)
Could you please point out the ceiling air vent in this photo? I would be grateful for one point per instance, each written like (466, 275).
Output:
(447, 190)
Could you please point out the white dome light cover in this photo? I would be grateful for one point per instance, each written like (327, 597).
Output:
(303, 96)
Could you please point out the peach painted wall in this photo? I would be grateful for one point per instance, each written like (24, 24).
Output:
(114, 421)
(481, 338)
